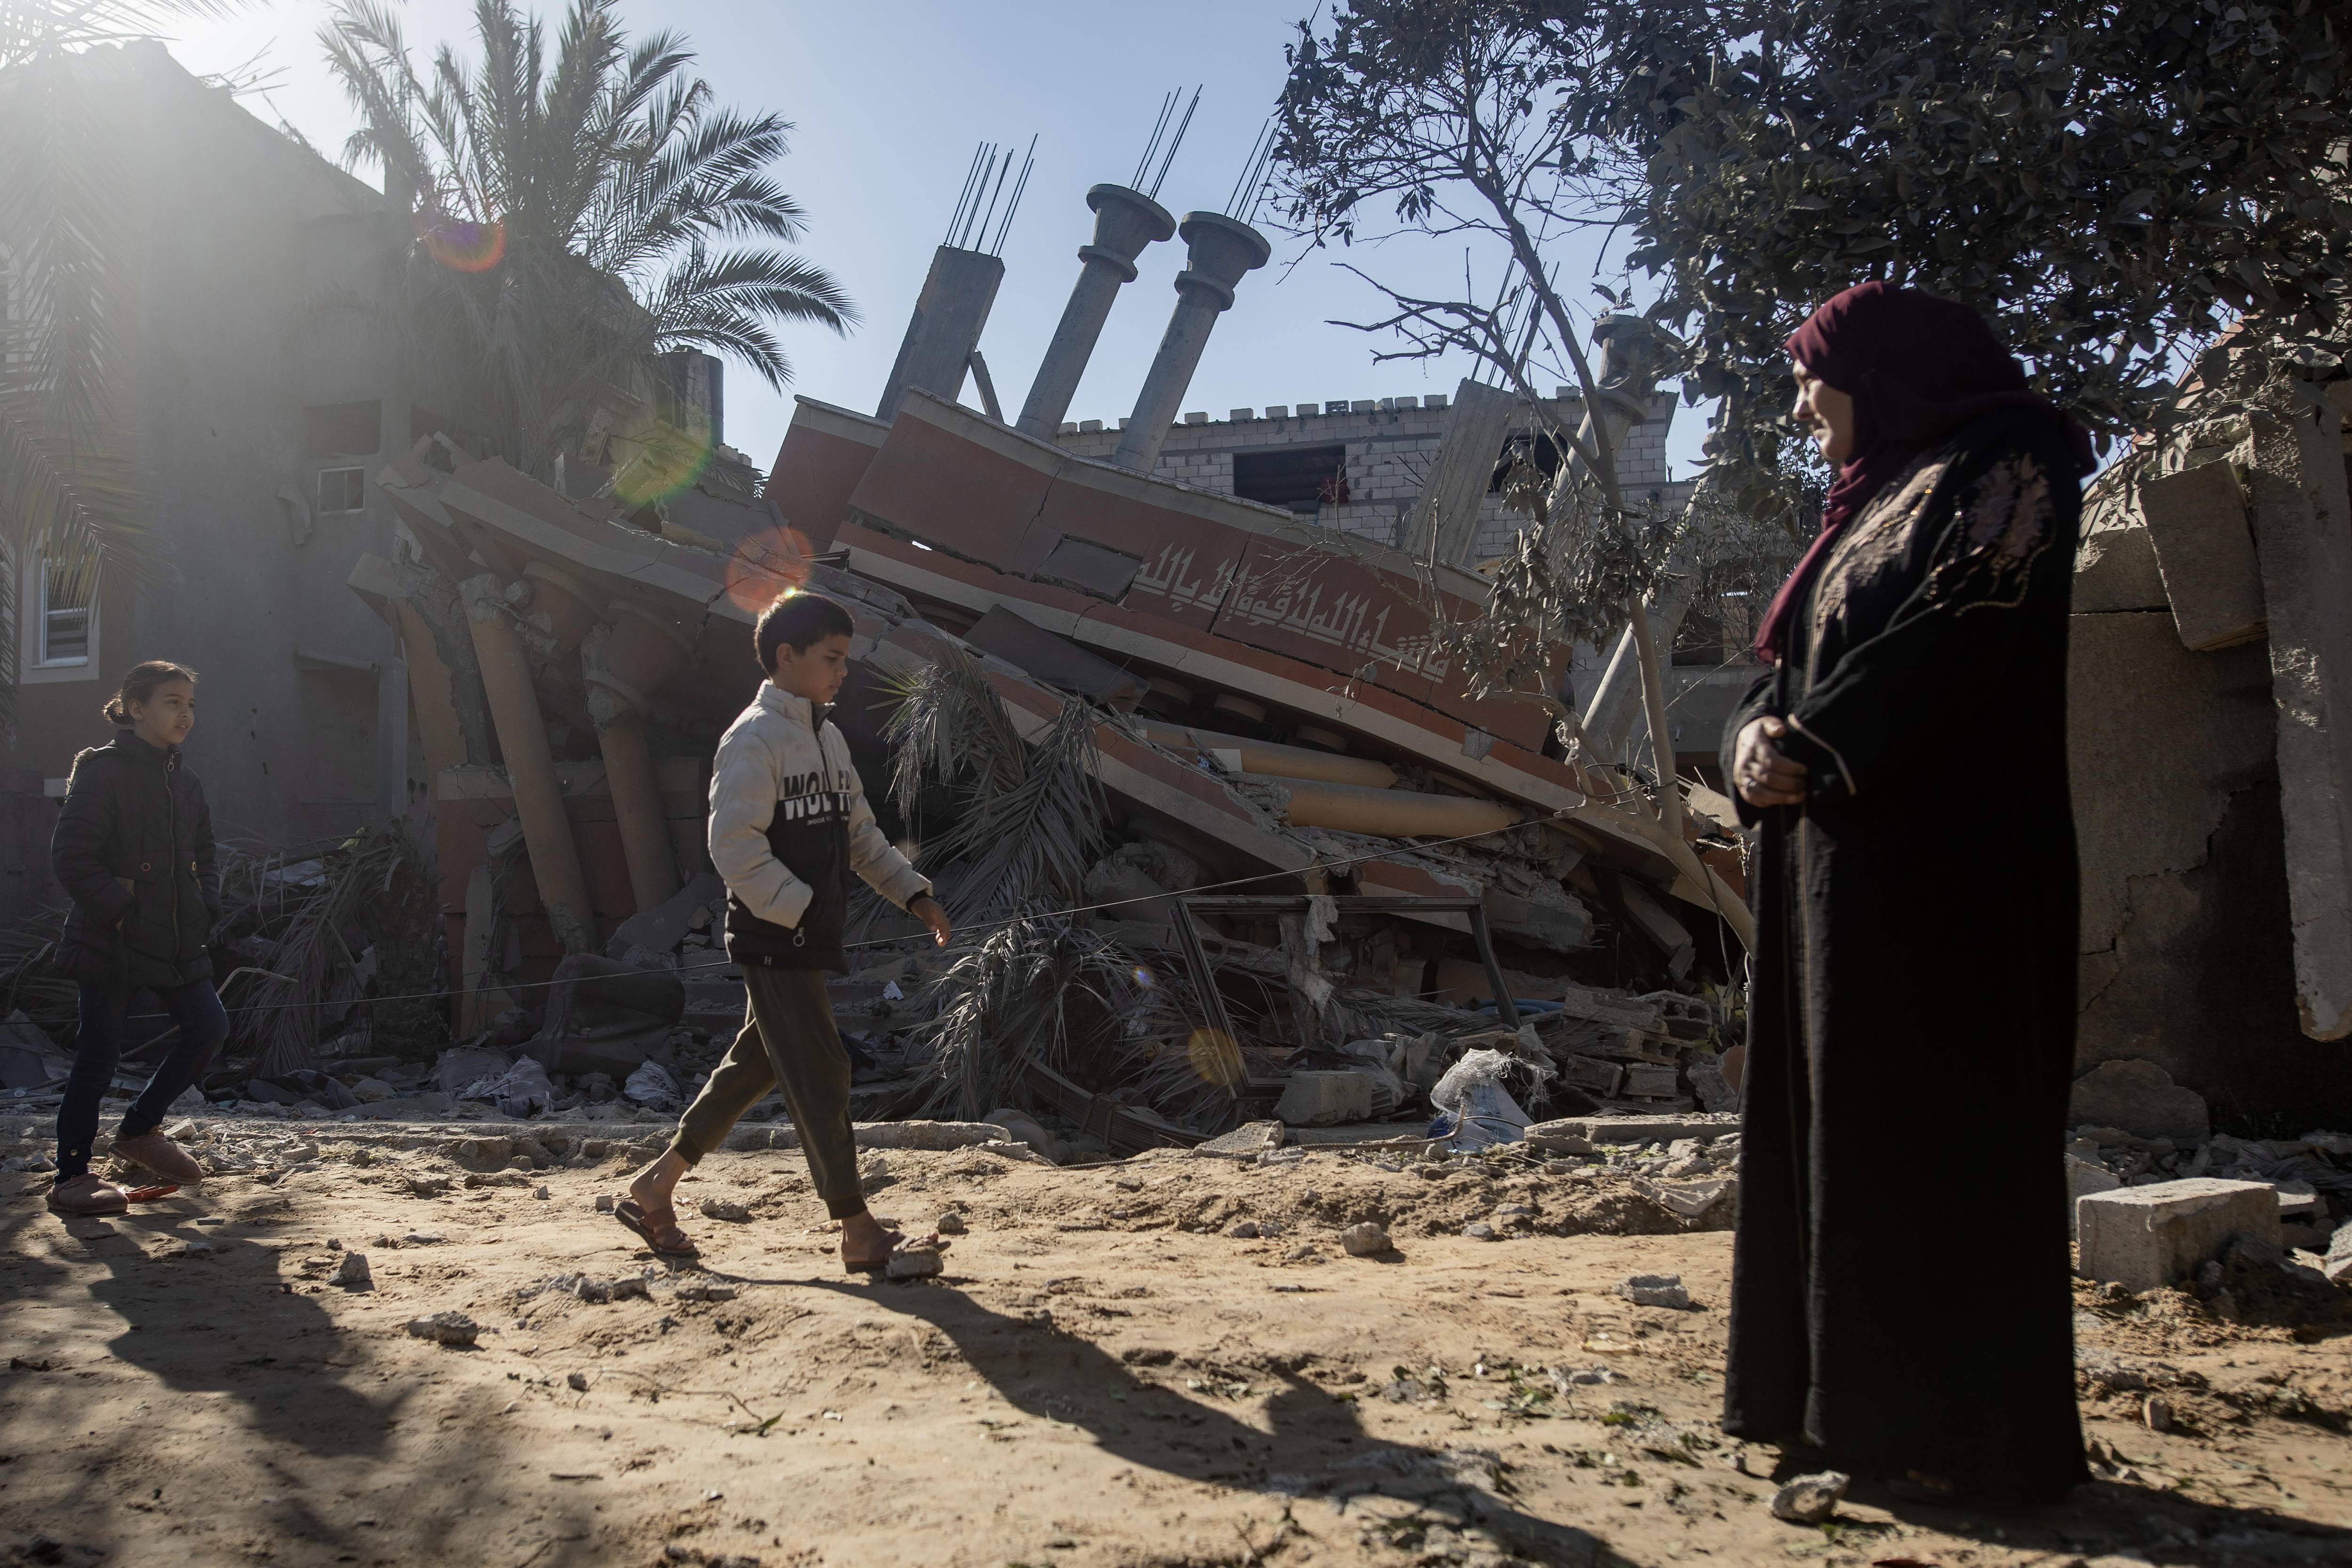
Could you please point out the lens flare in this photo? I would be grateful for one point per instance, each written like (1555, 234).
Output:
(1216, 1058)
(460, 244)
(765, 567)
(667, 461)
(1145, 978)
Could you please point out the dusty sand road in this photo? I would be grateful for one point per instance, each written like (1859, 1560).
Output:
(1101, 1377)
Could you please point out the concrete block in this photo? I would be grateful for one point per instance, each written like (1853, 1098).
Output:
(1199, 417)
(2142, 1238)
(1318, 1098)
(2084, 1177)
(2140, 1097)
(2115, 565)
(2205, 549)
(1278, 411)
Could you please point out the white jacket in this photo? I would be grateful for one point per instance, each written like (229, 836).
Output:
(789, 821)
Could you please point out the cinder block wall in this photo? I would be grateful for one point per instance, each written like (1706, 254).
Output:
(1390, 442)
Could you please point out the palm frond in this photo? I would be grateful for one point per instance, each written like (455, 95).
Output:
(70, 488)
(606, 168)
(1032, 817)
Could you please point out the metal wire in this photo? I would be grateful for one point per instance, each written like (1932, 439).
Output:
(1339, 863)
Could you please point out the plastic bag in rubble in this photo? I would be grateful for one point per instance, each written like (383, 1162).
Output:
(521, 1091)
(652, 1086)
(1474, 1109)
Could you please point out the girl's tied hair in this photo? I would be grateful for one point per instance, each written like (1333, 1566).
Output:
(144, 680)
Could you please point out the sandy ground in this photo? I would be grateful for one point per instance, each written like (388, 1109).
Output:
(1101, 1377)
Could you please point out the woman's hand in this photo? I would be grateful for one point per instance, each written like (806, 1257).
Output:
(926, 909)
(1759, 772)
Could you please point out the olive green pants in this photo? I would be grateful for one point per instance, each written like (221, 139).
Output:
(788, 1042)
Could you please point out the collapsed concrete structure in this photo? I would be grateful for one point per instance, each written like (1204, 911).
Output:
(1268, 696)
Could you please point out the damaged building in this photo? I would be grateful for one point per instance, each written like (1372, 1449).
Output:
(1268, 716)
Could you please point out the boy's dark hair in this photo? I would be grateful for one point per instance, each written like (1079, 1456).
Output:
(798, 620)
(141, 684)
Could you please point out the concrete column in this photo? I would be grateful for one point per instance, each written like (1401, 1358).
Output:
(621, 661)
(531, 766)
(636, 800)
(432, 690)
(1125, 222)
(949, 313)
(1445, 517)
(1220, 249)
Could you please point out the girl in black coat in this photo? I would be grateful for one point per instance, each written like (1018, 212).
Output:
(134, 848)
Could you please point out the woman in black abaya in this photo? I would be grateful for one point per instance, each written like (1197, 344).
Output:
(1900, 1297)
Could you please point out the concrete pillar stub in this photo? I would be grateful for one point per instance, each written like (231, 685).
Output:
(949, 313)
(1126, 221)
(1219, 251)
(530, 766)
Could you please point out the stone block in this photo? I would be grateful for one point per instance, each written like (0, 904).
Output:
(2114, 566)
(1319, 1098)
(2084, 1177)
(2143, 1237)
(2205, 550)
(2140, 1097)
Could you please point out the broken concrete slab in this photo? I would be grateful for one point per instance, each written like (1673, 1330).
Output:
(2140, 1097)
(1053, 659)
(2142, 1238)
(659, 929)
(1584, 1134)
(2204, 547)
(1246, 1142)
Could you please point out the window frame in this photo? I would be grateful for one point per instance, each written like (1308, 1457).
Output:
(319, 491)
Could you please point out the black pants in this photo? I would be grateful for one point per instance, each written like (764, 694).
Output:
(98, 1046)
(788, 1042)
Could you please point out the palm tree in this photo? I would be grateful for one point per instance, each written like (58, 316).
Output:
(574, 215)
(70, 504)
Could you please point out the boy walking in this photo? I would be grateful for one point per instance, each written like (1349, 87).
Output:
(789, 823)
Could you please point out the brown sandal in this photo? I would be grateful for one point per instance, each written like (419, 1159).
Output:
(657, 1228)
(897, 1239)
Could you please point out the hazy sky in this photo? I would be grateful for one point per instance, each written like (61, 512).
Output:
(889, 101)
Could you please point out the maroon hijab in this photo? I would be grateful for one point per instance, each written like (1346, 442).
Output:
(1917, 368)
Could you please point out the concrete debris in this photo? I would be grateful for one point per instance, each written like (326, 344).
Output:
(652, 1086)
(1315, 1098)
(1247, 1140)
(722, 1209)
(712, 1292)
(1479, 1230)
(951, 1224)
(1366, 1239)
(1811, 1499)
(2143, 1237)
(913, 1262)
(452, 1329)
(1654, 1290)
(2140, 1097)
(352, 1273)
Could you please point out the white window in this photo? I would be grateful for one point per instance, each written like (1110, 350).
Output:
(64, 630)
(342, 490)
(56, 622)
